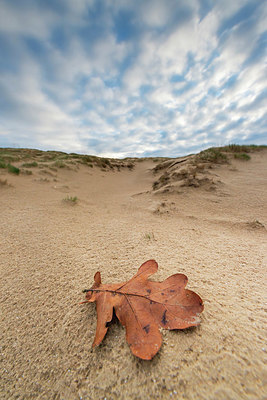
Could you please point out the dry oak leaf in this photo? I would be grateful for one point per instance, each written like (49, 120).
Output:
(144, 306)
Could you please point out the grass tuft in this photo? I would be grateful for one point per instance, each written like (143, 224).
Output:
(212, 155)
(71, 200)
(149, 236)
(242, 148)
(59, 164)
(242, 156)
(12, 169)
(30, 164)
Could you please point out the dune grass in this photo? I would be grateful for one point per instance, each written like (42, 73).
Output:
(31, 158)
(194, 170)
(32, 164)
(242, 156)
(242, 148)
(70, 200)
(12, 169)
(59, 164)
(213, 155)
(149, 236)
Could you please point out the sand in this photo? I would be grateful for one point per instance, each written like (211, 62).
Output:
(50, 250)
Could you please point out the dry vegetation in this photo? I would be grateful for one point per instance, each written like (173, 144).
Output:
(196, 170)
(172, 174)
(24, 160)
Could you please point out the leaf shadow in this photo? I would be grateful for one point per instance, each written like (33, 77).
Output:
(114, 320)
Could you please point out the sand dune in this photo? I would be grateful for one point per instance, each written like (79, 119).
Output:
(63, 219)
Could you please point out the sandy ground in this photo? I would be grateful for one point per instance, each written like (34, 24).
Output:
(50, 250)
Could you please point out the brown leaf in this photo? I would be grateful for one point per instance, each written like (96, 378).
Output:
(143, 306)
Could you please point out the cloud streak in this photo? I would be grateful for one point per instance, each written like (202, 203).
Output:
(122, 79)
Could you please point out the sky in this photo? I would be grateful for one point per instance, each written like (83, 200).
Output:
(132, 78)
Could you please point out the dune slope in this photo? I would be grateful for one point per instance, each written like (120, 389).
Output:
(59, 226)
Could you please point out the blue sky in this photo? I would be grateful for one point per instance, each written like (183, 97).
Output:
(121, 78)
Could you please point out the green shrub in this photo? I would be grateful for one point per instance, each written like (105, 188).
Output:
(2, 164)
(212, 155)
(242, 156)
(12, 169)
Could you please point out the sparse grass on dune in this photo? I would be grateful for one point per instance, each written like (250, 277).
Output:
(8, 157)
(45, 171)
(70, 200)
(213, 155)
(242, 156)
(240, 148)
(220, 154)
(149, 236)
(193, 171)
(162, 181)
(30, 164)
(163, 165)
(26, 171)
(59, 164)
(12, 169)
(53, 160)
(13, 155)
(59, 160)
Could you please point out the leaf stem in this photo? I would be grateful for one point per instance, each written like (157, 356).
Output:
(136, 295)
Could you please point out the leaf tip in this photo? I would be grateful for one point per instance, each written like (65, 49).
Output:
(97, 278)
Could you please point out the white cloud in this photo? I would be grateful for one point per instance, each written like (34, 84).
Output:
(26, 21)
(72, 98)
(227, 8)
(36, 115)
(106, 55)
(156, 13)
(79, 7)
